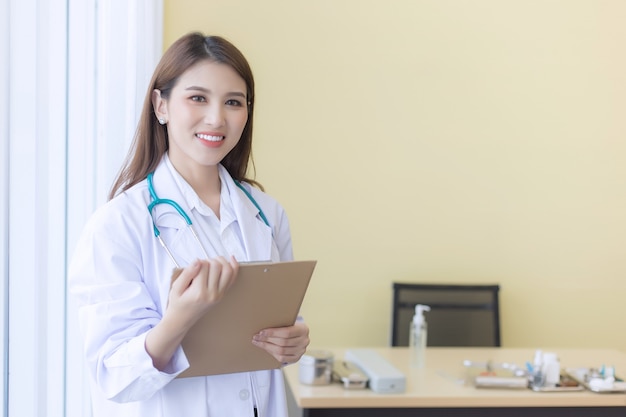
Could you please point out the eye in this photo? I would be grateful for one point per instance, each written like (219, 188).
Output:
(198, 99)
(233, 102)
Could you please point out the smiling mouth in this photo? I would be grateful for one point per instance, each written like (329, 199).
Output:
(210, 138)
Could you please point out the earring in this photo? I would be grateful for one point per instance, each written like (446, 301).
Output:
(162, 121)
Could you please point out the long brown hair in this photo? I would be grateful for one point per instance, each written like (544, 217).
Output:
(151, 141)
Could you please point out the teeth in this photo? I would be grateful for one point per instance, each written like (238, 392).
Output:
(209, 138)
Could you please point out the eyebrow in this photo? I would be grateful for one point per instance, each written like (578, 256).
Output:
(205, 90)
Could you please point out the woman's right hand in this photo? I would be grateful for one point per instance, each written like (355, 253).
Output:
(200, 286)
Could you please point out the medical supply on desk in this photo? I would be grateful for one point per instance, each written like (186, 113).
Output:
(536, 376)
(566, 384)
(383, 376)
(550, 369)
(602, 380)
(349, 375)
(316, 367)
(545, 370)
(418, 336)
(544, 374)
(495, 375)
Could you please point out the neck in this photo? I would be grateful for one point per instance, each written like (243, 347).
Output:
(208, 187)
(205, 181)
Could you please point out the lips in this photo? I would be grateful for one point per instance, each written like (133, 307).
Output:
(209, 138)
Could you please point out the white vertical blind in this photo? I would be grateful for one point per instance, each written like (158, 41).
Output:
(50, 189)
(81, 143)
(36, 66)
(75, 72)
(4, 203)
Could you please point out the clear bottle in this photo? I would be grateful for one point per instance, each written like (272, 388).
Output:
(537, 375)
(418, 335)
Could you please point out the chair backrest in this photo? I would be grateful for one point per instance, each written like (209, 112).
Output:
(460, 315)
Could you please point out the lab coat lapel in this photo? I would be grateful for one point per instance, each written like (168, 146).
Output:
(171, 224)
(257, 236)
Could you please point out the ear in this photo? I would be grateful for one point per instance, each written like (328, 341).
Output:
(159, 104)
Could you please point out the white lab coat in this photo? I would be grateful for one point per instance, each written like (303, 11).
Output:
(120, 276)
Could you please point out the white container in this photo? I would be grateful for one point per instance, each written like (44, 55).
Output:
(316, 367)
(551, 369)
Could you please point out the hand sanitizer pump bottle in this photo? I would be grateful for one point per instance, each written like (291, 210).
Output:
(417, 340)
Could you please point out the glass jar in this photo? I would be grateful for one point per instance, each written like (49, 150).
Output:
(316, 367)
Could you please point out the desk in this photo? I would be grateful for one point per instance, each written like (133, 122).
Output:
(438, 389)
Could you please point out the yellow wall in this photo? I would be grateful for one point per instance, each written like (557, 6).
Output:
(444, 141)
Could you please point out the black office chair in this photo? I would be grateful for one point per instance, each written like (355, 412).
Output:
(460, 315)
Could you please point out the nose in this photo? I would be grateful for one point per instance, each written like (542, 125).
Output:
(215, 115)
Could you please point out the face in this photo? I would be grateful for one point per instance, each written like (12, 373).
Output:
(205, 115)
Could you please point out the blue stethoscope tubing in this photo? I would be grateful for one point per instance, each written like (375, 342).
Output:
(156, 201)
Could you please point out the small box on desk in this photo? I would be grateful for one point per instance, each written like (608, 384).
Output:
(383, 377)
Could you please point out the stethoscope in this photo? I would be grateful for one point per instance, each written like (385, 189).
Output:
(156, 201)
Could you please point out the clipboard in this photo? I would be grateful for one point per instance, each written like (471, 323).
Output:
(264, 295)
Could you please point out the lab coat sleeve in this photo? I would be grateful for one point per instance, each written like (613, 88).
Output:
(117, 309)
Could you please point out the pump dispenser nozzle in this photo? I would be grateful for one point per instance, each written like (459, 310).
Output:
(418, 318)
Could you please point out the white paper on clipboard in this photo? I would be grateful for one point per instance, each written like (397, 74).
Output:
(264, 295)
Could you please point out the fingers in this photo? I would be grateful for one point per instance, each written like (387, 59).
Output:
(235, 265)
(208, 279)
(221, 275)
(184, 279)
(199, 286)
(285, 344)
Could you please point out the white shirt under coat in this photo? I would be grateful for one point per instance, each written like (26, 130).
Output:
(120, 276)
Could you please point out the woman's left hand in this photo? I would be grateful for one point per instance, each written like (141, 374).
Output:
(286, 344)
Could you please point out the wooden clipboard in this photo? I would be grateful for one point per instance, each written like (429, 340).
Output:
(264, 295)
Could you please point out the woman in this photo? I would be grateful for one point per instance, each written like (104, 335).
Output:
(192, 146)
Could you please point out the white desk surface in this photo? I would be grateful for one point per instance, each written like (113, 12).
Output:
(440, 382)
